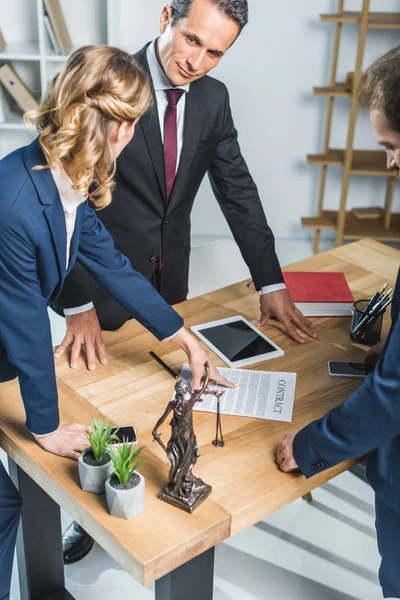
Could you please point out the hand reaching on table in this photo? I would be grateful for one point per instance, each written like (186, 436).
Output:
(374, 353)
(280, 305)
(69, 440)
(197, 358)
(284, 453)
(83, 330)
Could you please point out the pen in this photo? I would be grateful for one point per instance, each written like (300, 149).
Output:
(383, 288)
(382, 307)
(374, 299)
(378, 305)
(164, 366)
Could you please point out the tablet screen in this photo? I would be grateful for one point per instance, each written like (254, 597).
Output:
(237, 341)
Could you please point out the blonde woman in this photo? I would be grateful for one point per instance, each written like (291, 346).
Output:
(46, 225)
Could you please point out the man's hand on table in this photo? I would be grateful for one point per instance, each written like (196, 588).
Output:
(280, 305)
(83, 329)
(284, 453)
(374, 353)
(69, 440)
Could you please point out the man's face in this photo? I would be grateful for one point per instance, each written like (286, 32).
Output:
(387, 137)
(193, 46)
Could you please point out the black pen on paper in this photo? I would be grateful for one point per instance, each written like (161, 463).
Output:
(173, 373)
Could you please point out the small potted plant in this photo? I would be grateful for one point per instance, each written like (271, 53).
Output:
(95, 464)
(125, 487)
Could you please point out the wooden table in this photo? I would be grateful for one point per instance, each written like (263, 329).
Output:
(165, 544)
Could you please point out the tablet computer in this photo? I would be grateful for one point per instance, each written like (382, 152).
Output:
(236, 341)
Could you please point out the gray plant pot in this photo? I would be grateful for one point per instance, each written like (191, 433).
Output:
(125, 504)
(93, 478)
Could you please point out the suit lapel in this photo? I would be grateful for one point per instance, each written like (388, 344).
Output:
(150, 125)
(49, 196)
(191, 137)
(73, 251)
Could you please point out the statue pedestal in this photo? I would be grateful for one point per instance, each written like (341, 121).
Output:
(189, 503)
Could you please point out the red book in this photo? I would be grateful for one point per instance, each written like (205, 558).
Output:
(320, 294)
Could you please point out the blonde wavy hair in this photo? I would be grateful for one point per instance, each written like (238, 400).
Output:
(98, 86)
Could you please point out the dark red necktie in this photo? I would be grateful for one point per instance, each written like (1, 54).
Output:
(171, 138)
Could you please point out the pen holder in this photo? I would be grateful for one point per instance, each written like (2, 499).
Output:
(370, 333)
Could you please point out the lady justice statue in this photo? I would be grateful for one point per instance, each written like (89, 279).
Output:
(183, 490)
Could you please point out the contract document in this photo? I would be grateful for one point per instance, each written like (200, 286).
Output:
(260, 394)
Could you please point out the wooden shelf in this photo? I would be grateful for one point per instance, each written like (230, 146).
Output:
(339, 91)
(365, 162)
(356, 228)
(377, 20)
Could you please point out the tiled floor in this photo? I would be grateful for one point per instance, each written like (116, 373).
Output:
(325, 550)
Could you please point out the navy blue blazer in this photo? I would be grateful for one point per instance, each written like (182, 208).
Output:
(32, 271)
(368, 423)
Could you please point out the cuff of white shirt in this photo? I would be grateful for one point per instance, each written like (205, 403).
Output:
(171, 337)
(78, 309)
(267, 289)
(36, 436)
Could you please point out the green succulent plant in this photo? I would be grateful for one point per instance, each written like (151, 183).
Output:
(101, 437)
(125, 461)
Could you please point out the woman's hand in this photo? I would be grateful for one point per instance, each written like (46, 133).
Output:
(83, 330)
(197, 358)
(69, 440)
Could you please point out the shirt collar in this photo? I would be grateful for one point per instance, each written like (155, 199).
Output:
(70, 198)
(159, 78)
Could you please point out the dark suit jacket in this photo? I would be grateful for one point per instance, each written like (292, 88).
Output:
(32, 270)
(367, 424)
(141, 220)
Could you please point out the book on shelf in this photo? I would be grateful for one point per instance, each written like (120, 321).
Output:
(370, 212)
(2, 106)
(320, 294)
(16, 87)
(56, 17)
(51, 34)
(2, 42)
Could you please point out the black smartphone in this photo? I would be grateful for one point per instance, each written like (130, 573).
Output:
(126, 433)
(349, 369)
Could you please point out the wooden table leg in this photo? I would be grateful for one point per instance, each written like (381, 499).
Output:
(194, 580)
(39, 542)
(308, 497)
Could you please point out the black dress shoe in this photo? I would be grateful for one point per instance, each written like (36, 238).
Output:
(76, 544)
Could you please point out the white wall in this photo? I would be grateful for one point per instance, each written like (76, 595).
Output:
(270, 72)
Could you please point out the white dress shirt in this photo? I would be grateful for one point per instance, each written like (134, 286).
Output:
(160, 84)
(70, 200)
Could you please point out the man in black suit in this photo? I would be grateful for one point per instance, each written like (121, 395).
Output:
(187, 133)
(149, 217)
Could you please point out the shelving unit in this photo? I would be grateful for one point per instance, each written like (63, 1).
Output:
(36, 62)
(376, 20)
(352, 161)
